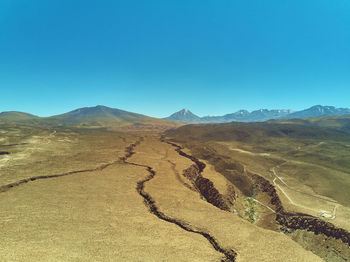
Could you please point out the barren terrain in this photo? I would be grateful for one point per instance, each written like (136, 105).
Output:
(98, 195)
(278, 182)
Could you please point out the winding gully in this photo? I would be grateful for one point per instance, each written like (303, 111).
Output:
(229, 255)
(293, 221)
(203, 185)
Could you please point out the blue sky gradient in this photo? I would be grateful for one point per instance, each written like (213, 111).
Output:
(157, 57)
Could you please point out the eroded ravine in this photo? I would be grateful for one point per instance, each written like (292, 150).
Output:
(287, 220)
(230, 255)
(300, 221)
(204, 186)
(290, 220)
(7, 187)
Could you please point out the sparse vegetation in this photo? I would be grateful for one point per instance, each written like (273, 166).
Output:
(250, 210)
(32, 153)
(308, 156)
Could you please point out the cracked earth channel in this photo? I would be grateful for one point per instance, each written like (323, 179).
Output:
(177, 201)
(92, 216)
(97, 215)
(229, 255)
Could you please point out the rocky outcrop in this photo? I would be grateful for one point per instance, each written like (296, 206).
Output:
(313, 224)
(204, 186)
(265, 186)
(211, 194)
(230, 196)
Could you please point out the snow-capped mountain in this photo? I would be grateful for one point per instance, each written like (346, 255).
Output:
(260, 115)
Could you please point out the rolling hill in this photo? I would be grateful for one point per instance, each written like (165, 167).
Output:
(98, 116)
(15, 116)
(319, 128)
(334, 122)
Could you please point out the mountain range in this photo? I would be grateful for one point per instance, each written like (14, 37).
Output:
(260, 115)
(102, 116)
(98, 116)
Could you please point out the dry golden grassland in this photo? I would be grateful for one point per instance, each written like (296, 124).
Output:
(308, 170)
(120, 206)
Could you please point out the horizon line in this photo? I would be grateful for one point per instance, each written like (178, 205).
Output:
(211, 115)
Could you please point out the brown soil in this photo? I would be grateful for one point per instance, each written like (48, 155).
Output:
(282, 220)
(130, 205)
(230, 255)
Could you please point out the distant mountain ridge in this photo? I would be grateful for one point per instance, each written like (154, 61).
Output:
(260, 115)
(185, 116)
(102, 116)
(98, 116)
(319, 110)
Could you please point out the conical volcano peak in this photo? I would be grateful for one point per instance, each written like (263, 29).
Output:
(184, 115)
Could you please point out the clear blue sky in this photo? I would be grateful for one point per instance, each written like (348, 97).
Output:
(157, 57)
